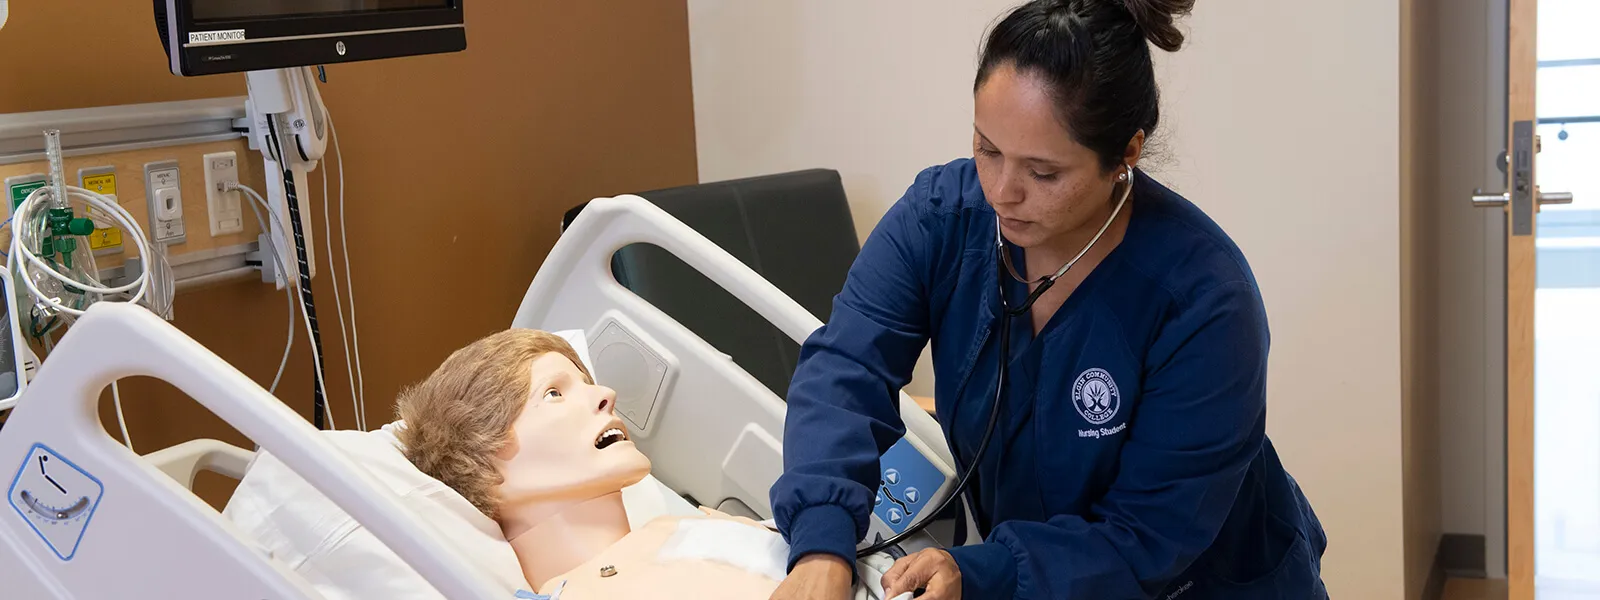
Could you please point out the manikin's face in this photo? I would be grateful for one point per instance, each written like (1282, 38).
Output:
(567, 444)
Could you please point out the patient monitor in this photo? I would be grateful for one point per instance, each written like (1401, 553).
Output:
(207, 37)
(275, 44)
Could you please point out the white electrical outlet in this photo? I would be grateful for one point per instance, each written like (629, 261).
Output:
(222, 169)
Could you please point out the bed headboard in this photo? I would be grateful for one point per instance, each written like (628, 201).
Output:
(713, 431)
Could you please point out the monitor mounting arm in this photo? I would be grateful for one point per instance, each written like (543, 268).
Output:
(286, 101)
(289, 124)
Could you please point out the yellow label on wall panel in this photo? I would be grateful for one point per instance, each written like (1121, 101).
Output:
(105, 238)
(101, 184)
(104, 184)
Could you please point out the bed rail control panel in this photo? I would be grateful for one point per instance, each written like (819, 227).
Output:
(908, 484)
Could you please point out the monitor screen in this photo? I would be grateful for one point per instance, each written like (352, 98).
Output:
(208, 37)
(222, 10)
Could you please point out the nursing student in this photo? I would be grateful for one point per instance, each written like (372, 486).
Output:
(1099, 348)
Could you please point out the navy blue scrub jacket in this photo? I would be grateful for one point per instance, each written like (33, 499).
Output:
(1131, 458)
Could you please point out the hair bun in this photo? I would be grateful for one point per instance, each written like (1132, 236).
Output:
(1157, 19)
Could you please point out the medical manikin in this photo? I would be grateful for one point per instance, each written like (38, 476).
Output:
(515, 424)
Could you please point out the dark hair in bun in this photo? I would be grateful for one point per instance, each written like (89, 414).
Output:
(1157, 18)
(1094, 56)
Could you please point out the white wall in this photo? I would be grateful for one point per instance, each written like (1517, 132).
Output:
(1282, 122)
(875, 90)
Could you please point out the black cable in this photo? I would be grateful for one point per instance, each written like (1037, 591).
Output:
(319, 401)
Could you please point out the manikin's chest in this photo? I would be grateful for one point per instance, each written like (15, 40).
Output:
(638, 571)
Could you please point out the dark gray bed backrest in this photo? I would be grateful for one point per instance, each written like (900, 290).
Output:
(794, 229)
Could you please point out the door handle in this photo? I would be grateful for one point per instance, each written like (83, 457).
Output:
(1555, 198)
(1484, 199)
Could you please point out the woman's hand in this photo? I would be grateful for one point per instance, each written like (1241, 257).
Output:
(933, 570)
(817, 577)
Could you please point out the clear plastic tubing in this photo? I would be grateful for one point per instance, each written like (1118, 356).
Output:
(58, 183)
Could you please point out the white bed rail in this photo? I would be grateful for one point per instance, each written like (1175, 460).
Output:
(606, 225)
(145, 534)
(692, 428)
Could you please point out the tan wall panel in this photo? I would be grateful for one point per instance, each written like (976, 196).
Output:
(459, 168)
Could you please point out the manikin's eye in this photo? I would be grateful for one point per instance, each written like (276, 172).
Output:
(552, 394)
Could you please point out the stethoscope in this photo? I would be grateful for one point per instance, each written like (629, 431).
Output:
(1006, 314)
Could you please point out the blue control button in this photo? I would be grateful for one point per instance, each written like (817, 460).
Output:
(892, 477)
(878, 499)
(895, 517)
(912, 495)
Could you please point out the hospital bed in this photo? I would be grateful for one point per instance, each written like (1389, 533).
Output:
(88, 518)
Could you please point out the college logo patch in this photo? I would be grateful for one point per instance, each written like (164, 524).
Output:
(1095, 396)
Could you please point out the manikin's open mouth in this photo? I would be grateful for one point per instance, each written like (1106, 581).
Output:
(610, 436)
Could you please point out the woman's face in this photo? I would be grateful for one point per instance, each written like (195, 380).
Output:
(567, 444)
(1041, 182)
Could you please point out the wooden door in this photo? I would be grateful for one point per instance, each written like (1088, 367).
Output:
(1521, 201)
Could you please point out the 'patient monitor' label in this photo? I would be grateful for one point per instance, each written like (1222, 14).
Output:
(198, 38)
(56, 498)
